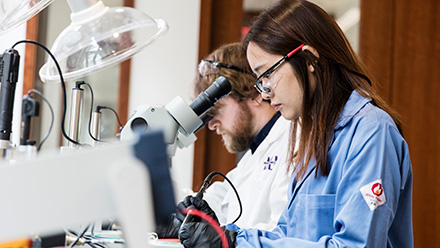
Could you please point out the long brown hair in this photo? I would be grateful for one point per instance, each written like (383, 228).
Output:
(286, 25)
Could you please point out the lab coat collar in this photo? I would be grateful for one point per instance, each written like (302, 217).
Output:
(354, 104)
(263, 133)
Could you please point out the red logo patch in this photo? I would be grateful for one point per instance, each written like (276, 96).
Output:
(377, 189)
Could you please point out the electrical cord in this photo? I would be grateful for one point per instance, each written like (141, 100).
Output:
(207, 182)
(90, 240)
(110, 226)
(91, 110)
(94, 240)
(78, 237)
(98, 108)
(51, 113)
(63, 86)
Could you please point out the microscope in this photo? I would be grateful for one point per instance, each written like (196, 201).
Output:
(178, 120)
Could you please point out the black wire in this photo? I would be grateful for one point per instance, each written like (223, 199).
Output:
(72, 232)
(206, 183)
(79, 236)
(87, 238)
(63, 85)
(110, 227)
(91, 111)
(92, 230)
(51, 113)
(116, 114)
(96, 244)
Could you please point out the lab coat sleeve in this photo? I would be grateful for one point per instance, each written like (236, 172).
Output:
(375, 151)
(378, 154)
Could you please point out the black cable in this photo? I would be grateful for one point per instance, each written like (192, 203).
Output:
(51, 113)
(95, 244)
(91, 111)
(92, 230)
(110, 226)
(206, 183)
(79, 236)
(92, 240)
(116, 114)
(87, 238)
(63, 85)
(71, 232)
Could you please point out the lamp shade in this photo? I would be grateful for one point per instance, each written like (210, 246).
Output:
(99, 37)
(15, 12)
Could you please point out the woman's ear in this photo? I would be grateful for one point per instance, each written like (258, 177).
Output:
(310, 49)
(314, 52)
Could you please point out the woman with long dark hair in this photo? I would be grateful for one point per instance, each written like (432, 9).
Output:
(352, 184)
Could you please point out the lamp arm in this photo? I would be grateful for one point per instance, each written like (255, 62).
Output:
(79, 5)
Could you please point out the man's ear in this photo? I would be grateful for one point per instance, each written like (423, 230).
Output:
(257, 100)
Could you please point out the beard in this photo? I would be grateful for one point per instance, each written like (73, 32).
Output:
(240, 136)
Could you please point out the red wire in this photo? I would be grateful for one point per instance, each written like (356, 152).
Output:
(211, 221)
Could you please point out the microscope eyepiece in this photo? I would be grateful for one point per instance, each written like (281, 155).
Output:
(206, 99)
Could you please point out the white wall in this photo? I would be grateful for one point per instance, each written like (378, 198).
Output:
(167, 67)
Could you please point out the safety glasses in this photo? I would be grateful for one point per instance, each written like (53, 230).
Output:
(209, 67)
(264, 84)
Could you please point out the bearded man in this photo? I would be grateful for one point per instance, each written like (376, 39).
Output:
(250, 125)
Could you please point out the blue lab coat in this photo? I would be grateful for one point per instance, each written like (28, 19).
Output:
(365, 201)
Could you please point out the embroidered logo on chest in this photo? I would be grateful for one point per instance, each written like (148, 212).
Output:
(270, 162)
(373, 194)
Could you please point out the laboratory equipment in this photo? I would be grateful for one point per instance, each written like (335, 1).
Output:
(29, 108)
(177, 119)
(98, 37)
(15, 12)
(9, 64)
(56, 191)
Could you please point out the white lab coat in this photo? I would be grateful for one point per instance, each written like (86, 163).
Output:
(261, 180)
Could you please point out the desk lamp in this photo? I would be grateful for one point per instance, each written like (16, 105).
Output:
(98, 37)
(13, 12)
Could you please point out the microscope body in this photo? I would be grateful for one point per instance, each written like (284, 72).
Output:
(177, 121)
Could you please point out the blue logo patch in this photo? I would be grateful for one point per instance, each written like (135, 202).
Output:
(271, 161)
